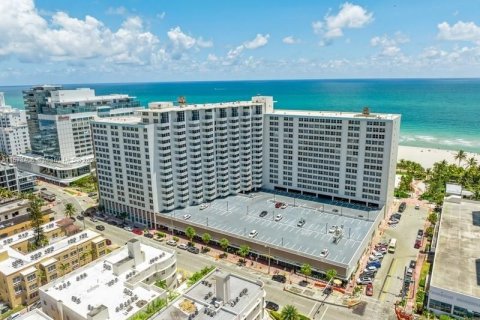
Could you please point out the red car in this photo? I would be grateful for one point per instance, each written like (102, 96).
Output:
(278, 205)
(137, 231)
(369, 290)
(418, 244)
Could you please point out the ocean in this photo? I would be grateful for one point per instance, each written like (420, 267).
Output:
(436, 113)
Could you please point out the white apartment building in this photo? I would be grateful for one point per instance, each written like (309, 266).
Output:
(14, 137)
(341, 156)
(175, 156)
(59, 128)
(15, 180)
(115, 287)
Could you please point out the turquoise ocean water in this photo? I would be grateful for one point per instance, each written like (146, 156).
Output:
(443, 113)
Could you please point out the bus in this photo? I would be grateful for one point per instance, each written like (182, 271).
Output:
(47, 195)
(392, 245)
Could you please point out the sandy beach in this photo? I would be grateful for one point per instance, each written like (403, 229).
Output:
(428, 156)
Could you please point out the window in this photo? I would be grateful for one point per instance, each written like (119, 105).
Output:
(440, 306)
(31, 277)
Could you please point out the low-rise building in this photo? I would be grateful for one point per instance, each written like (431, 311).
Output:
(24, 268)
(35, 314)
(454, 286)
(115, 287)
(15, 180)
(219, 296)
(15, 218)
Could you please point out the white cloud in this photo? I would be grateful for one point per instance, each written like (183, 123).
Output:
(161, 15)
(389, 45)
(290, 40)
(259, 41)
(181, 40)
(460, 31)
(212, 57)
(117, 10)
(350, 16)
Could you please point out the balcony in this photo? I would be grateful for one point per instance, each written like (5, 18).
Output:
(183, 197)
(168, 205)
(193, 123)
(222, 147)
(195, 151)
(221, 125)
(180, 162)
(196, 170)
(181, 180)
(165, 170)
(197, 188)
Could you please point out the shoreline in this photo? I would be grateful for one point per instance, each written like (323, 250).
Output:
(428, 156)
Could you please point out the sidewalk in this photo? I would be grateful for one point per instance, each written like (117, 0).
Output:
(314, 293)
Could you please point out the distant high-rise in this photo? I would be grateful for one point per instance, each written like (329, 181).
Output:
(59, 128)
(13, 130)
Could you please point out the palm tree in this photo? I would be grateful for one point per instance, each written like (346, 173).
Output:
(190, 233)
(289, 312)
(206, 237)
(243, 251)
(42, 275)
(472, 162)
(224, 243)
(306, 270)
(460, 156)
(69, 210)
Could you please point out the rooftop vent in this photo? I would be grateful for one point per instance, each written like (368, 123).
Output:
(366, 111)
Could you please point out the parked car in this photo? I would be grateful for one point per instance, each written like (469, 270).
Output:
(80, 217)
(382, 250)
(375, 264)
(278, 217)
(377, 254)
(279, 278)
(420, 232)
(301, 222)
(335, 210)
(186, 216)
(193, 250)
(417, 207)
(393, 221)
(412, 264)
(253, 233)
(108, 241)
(409, 272)
(283, 206)
(373, 258)
(148, 235)
(263, 214)
(402, 207)
(369, 290)
(93, 219)
(280, 205)
(418, 244)
(204, 206)
(332, 229)
(369, 274)
(324, 253)
(182, 246)
(43, 189)
(271, 306)
(397, 216)
(370, 268)
(128, 228)
(364, 280)
(137, 231)
(171, 242)
(100, 227)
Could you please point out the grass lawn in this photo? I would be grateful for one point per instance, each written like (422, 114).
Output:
(85, 184)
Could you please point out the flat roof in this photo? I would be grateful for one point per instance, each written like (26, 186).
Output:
(227, 104)
(335, 114)
(13, 205)
(35, 314)
(99, 286)
(120, 120)
(243, 216)
(457, 244)
(226, 311)
(20, 261)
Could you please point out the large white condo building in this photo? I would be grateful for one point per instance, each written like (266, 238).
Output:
(174, 156)
(341, 156)
(13, 130)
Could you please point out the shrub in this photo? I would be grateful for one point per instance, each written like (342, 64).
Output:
(176, 238)
(199, 275)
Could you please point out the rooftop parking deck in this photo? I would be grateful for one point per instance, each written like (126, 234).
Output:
(239, 215)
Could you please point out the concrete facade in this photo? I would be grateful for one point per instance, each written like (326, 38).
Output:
(14, 137)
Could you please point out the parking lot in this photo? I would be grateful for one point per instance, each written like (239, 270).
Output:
(239, 215)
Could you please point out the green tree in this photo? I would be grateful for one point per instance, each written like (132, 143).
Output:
(190, 233)
(161, 284)
(460, 156)
(69, 210)
(42, 275)
(289, 312)
(63, 268)
(306, 270)
(432, 218)
(206, 238)
(330, 274)
(224, 244)
(472, 162)
(123, 215)
(243, 251)
(36, 221)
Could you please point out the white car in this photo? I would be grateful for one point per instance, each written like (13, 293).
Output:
(278, 217)
(283, 206)
(393, 221)
(364, 280)
(253, 233)
(332, 229)
(182, 246)
(204, 206)
(186, 216)
(324, 253)
(370, 269)
(378, 255)
(128, 228)
(373, 258)
(417, 207)
(171, 242)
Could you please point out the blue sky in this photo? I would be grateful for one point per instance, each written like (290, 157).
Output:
(53, 41)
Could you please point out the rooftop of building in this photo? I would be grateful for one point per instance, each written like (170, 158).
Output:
(35, 314)
(336, 114)
(98, 285)
(18, 261)
(13, 204)
(239, 214)
(457, 244)
(227, 294)
(120, 120)
(5, 166)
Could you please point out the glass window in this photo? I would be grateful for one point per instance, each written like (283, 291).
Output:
(440, 306)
